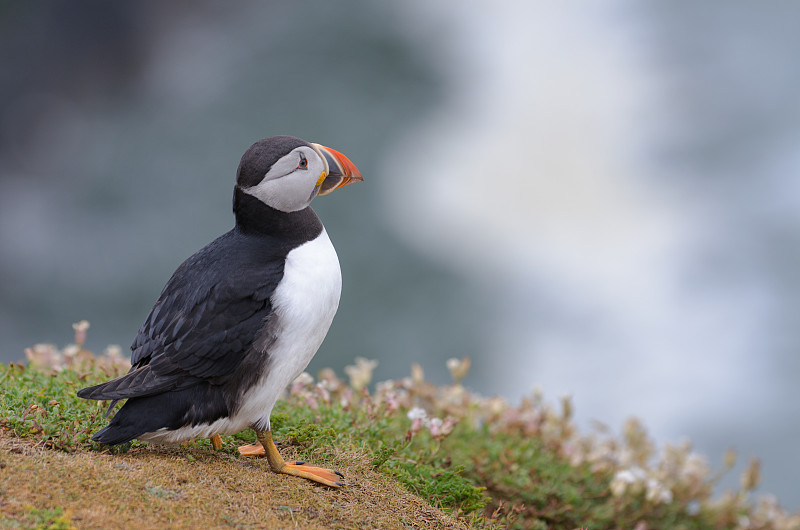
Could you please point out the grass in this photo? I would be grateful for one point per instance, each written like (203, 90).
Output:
(55, 519)
(42, 406)
(413, 455)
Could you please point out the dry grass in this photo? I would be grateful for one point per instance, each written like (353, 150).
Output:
(167, 487)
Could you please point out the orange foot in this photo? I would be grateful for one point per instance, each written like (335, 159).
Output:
(322, 475)
(255, 449)
(329, 477)
(216, 441)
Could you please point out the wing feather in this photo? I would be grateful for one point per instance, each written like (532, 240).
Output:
(204, 322)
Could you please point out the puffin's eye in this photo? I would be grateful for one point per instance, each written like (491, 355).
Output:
(303, 162)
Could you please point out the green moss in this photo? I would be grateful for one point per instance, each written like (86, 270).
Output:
(54, 519)
(447, 489)
(45, 406)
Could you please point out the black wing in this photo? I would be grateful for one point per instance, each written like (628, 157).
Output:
(203, 323)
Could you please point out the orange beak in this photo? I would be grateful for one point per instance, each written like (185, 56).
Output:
(341, 171)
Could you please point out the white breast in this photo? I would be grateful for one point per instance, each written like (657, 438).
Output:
(304, 303)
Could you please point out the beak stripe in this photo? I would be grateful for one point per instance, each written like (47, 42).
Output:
(341, 171)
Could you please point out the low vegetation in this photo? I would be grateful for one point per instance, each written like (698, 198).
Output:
(414, 456)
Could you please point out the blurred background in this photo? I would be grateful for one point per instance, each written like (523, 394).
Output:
(600, 201)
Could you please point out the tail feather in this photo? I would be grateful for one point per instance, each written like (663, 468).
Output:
(115, 435)
(137, 417)
(137, 383)
(164, 411)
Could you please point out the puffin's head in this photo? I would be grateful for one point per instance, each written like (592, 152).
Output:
(286, 173)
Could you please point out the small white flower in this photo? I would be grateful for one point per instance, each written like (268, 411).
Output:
(627, 479)
(695, 466)
(657, 492)
(417, 413)
(71, 350)
(618, 486)
(83, 325)
(632, 474)
(113, 351)
(626, 476)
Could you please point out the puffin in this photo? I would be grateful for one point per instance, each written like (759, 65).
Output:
(241, 318)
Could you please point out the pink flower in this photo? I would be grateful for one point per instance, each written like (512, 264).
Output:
(416, 425)
(300, 383)
(435, 427)
(392, 403)
(418, 418)
(323, 393)
(80, 332)
(448, 425)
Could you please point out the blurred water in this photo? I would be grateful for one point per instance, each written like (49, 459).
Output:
(110, 182)
(621, 183)
(600, 201)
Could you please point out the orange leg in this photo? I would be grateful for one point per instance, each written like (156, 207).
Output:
(216, 441)
(277, 464)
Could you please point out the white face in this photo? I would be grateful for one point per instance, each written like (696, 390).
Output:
(291, 182)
